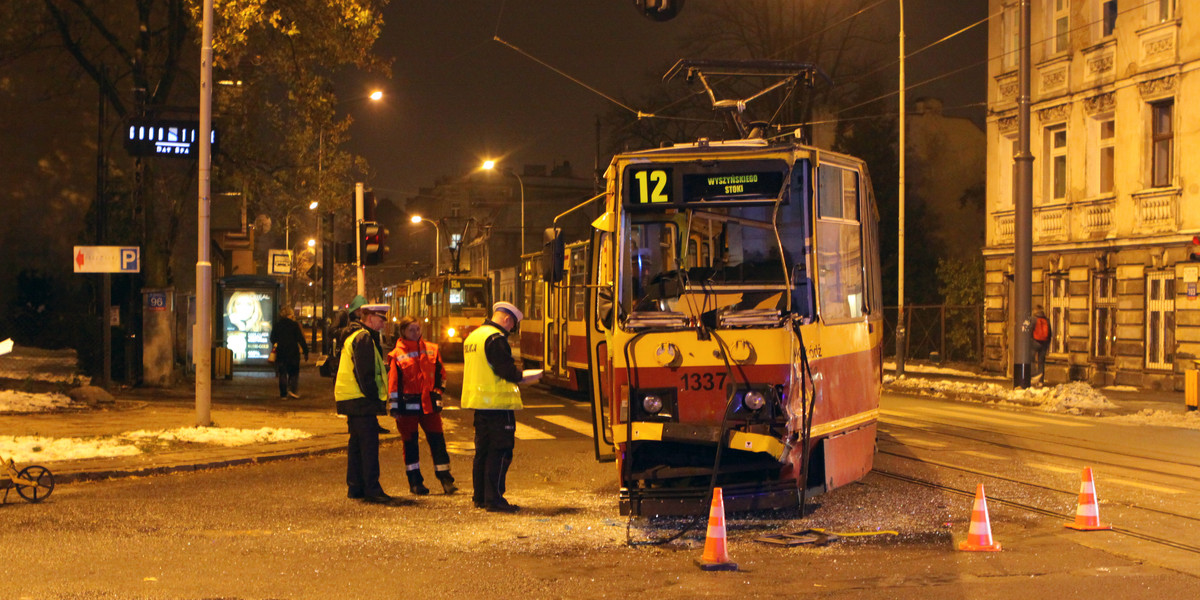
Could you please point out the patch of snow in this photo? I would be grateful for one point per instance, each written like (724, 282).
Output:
(22, 402)
(1187, 420)
(1076, 397)
(1121, 388)
(31, 449)
(219, 436)
(928, 369)
(26, 449)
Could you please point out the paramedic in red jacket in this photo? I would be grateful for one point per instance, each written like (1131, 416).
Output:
(416, 380)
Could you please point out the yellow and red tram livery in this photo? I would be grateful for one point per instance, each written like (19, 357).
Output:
(553, 334)
(449, 307)
(732, 324)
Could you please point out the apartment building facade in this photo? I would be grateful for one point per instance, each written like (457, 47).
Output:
(1115, 135)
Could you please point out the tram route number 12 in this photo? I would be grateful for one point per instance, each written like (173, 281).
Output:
(652, 186)
(701, 381)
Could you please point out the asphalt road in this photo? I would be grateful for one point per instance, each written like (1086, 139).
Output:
(286, 530)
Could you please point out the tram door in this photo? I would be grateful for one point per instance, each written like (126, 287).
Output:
(558, 297)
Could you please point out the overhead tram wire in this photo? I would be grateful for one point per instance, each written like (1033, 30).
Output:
(791, 126)
(984, 61)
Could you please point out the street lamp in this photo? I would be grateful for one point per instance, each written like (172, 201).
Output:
(312, 244)
(490, 165)
(437, 243)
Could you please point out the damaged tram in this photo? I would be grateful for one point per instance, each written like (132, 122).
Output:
(733, 323)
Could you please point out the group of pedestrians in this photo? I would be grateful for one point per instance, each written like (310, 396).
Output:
(408, 382)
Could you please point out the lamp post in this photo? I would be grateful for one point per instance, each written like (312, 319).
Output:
(901, 330)
(287, 241)
(489, 165)
(437, 243)
(312, 244)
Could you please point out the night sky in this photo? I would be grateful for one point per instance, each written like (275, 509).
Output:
(457, 97)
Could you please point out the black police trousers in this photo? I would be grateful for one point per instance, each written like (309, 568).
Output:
(495, 432)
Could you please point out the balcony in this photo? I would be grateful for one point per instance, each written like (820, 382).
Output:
(1157, 210)
(1158, 45)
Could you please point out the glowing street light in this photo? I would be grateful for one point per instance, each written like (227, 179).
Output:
(490, 165)
(437, 243)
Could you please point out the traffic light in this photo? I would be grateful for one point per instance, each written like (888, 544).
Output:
(1194, 249)
(369, 205)
(659, 10)
(374, 242)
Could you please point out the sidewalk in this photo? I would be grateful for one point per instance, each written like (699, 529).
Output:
(251, 401)
(1128, 400)
(248, 401)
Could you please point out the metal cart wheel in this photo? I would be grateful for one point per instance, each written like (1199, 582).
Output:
(41, 489)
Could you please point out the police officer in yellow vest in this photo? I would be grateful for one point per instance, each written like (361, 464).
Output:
(361, 394)
(490, 378)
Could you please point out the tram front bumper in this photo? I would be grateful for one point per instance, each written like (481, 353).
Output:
(698, 434)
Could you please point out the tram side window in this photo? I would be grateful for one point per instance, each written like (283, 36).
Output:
(578, 291)
(839, 245)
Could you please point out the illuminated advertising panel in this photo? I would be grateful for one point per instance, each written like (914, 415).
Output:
(248, 314)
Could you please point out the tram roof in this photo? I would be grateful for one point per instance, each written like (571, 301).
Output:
(728, 147)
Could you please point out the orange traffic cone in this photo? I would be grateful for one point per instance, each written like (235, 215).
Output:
(980, 537)
(715, 558)
(1087, 516)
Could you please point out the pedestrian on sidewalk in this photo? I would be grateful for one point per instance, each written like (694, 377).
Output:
(490, 378)
(361, 394)
(416, 382)
(288, 341)
(1042, 334)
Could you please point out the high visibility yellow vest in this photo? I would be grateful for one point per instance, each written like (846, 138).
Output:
(482, 389)
(346, 386)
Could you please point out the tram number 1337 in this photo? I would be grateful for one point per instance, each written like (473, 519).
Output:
(701, 381)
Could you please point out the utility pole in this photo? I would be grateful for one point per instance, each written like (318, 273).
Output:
(359, 216)
(202, 338)
(1023, 234)
(901, 330)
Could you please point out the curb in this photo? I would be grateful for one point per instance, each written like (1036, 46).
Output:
(201, 464)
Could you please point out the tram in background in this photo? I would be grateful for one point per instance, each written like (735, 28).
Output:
(725, 319)
(552, 335)
(449, 307)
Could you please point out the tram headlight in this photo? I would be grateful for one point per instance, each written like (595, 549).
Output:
(450, 331)
(652, 404)
(754, 400)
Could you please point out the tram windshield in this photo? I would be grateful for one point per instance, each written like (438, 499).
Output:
(468, 297)
(694, 251)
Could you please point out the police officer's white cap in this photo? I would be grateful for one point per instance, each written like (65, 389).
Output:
(510, 309)
(379, 309)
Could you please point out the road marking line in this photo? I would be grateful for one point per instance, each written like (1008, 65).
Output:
(912, 441)
(968, 416)
(1052, 468)
(1008, 417)
(1144, 486)
(576, 425)
(525, 432)
(984, 455)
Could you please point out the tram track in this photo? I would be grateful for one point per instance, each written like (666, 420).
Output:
(998, 477)
(1060, 441)
(1132, 533)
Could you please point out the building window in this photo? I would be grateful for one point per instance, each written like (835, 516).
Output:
(1160, 320)
(1058, 301)
(1060, 21)
(1104, 306)
(1056, 163)
(1108, 17)
(1162, 141)
(1006, 153)
(1010, 25)
(1102, 156)
(1161, 11)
